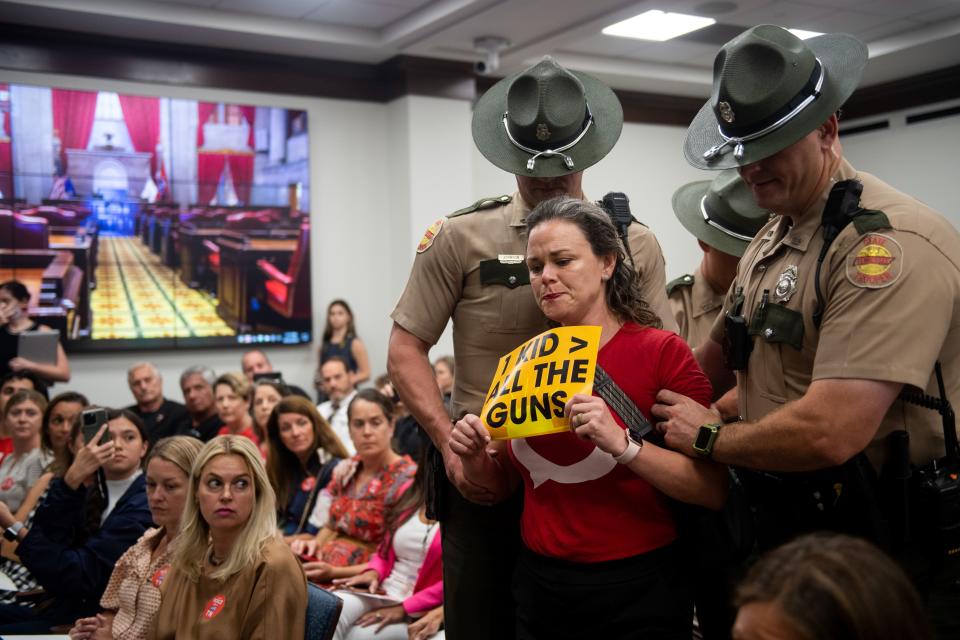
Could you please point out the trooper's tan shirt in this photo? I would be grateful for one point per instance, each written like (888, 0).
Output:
(492, 319)
(892, 309)
(695, 307)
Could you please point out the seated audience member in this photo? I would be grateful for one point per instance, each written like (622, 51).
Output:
(232, 393)
(825, 586)
(232, 576)
(362, 493)
(196, 383)
(303, 453)
(408, 437)
(406, 568)
(161, 417)
(603, 531)
(338, 385)
(21, 468)
(443, 369)
(256, 362)
(90, 517)
(427, 626)
(132, 596)
(266, 395)
(10, 384)
(58, 419)
(14, 320)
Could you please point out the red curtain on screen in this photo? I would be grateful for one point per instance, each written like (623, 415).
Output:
(142, 116)
(241, 168)
(6, 157)
(210, 163)
(73, 113)
(209, 168)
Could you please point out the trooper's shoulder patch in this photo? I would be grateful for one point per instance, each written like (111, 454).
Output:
(430, 235)
(483, 203)
(876, 261)
(682, 281)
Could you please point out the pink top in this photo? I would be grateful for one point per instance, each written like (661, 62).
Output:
(428, 591)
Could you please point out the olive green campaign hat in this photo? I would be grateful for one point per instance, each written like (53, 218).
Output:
(547, 121)
(721, 213)
(770, 89)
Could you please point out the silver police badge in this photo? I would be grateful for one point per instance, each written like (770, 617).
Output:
(726, 113)
(787, 284)
(543, 132)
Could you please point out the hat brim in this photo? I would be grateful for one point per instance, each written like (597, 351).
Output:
(491, 138)
(686, 206)
(844, 59)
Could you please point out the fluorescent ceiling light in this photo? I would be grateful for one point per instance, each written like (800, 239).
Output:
(803, 34)
(657, 25)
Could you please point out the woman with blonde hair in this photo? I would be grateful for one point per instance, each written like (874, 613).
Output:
(232, 393)
(132, 596)
(232, 575)
(303, 450)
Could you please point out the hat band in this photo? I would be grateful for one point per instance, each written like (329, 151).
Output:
(806, 97)
(719, 227)
(548, 153)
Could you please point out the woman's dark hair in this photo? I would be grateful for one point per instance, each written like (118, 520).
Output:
(351, 328)
(282, 464)
(407, 505)
(377, 398)
(835, 587)
(61, 459)
(623, 288)
(16, 289)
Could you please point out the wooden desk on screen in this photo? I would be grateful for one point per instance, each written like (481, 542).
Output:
(194, 268)
(54, 283)
(240, 280)
(82, 250)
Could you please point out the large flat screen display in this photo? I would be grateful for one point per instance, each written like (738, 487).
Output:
(141, 221)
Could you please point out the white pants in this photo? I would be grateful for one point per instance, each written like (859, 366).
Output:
(354, 607)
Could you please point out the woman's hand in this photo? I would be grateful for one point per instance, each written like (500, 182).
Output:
(368, 577)
(426, 626)
(318, 571)
(591, 420)
(93, 628)
(469, 439)
(383, 616)
(6, 517)
(304, 547)
(21, 364)
(89, 458)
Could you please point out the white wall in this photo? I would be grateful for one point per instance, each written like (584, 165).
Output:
(381, 173)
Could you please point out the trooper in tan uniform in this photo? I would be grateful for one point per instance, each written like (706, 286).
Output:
(724, 218)
(544, 125)
(826, 377)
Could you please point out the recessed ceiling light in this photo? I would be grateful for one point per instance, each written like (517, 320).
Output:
(803, 34)
(657, 25)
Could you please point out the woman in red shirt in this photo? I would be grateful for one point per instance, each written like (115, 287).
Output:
(599, 557)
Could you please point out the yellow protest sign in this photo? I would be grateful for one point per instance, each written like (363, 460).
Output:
(534, 381)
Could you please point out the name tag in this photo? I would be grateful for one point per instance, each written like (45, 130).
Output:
(507, 258)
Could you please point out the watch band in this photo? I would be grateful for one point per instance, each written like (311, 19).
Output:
(12, 532)
(633, 448)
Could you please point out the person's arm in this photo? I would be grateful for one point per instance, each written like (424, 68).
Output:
(833, 421)
(57, 372)
(8, 549)
(359, 352)
(484, 461)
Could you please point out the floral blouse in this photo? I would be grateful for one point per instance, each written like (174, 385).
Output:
(358, 513)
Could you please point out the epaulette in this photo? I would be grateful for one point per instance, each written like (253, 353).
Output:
(483, 203)
(682, 281)
(869, 220)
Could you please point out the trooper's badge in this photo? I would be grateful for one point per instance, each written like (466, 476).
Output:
(430, 234)
(543, 132)
(726, 113)
(786, 284)
(876, 262)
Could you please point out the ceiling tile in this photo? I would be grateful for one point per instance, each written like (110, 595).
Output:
(673, 51)
(604, 45)
(191, 3)
(785, 14)
(851, 22)
(285, 9)
(947, 12)
(888, 29)
(351, 13)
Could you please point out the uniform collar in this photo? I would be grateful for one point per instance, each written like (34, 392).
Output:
(800, 235)
(703, 298)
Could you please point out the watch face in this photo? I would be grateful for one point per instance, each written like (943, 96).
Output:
(703, 439)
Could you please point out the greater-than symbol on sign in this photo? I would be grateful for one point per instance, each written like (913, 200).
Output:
(578, 343)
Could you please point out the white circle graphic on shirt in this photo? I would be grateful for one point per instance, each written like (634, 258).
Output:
(594, 466)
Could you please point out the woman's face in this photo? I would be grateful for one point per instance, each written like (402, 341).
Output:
(337, 316)
(265, 398)
(128, 452)
(13, 307)
(24, 421)
(61, 421)
(444, 376)
(226, 493)
(762, 621)
(370, 430)
(568, 280)
(296, 433)
(166, 493)
(231, 407)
